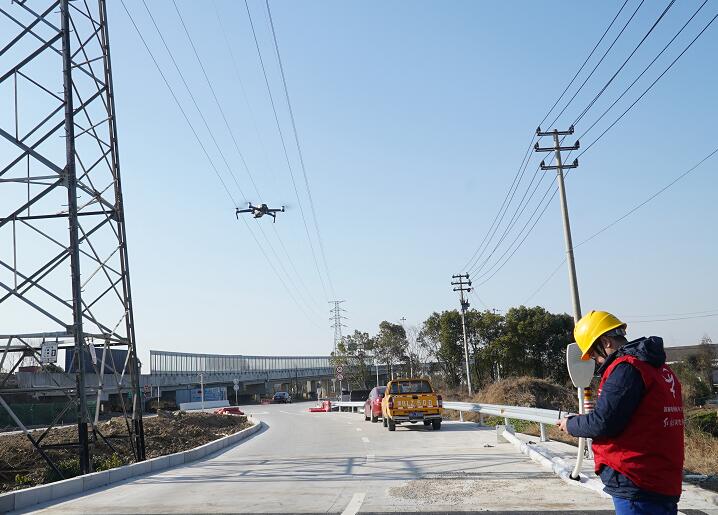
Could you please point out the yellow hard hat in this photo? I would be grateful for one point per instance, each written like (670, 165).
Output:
(591, 326)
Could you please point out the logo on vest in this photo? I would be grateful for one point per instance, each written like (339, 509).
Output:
(668, 378)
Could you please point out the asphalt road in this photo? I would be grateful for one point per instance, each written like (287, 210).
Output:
(338, 463)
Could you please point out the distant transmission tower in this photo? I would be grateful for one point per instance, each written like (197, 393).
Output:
(336, 319)
(64, 274)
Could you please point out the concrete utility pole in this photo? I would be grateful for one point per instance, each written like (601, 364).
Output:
(464, 287)
(560, 167)
(411, 368)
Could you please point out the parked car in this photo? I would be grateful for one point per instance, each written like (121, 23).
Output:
(411, 400)
(282, 398)
(372, 405)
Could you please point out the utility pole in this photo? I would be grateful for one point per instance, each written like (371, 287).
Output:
(585, 396)
(403, 326)
(560, 167)
(336, 319)
(464, 286)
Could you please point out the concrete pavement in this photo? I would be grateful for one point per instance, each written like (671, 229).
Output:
(338, 463)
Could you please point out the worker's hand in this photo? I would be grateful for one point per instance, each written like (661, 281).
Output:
(562, 424)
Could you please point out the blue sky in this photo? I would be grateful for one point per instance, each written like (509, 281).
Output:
(413, 118)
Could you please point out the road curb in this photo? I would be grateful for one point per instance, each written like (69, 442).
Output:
(557, 465)
(21, 499)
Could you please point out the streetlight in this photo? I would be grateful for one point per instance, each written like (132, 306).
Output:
(201, 388)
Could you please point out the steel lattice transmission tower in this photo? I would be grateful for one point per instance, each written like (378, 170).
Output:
(64, 274)
(336, 319)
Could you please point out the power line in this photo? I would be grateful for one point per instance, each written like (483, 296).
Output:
(598, 63)
(284, 148)
(543, 284)
(625, 62)
(194, 100)
(650, 86)
(214, 95)
(622, 217)
(288, 256)
(605, 131)
(662, 315)
(204, 119)
(473, 261)
(671, 319)
(583, 65)
(626, 90)
(208, 157)
(639, 206)
(299, 150)
(179, 105)
(235, 67)
(241, 155)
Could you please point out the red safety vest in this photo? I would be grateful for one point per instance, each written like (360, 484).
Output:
(649, 451)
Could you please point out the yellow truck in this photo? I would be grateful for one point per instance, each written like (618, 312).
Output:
(411, 400)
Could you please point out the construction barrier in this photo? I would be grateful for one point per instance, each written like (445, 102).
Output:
(324, 408)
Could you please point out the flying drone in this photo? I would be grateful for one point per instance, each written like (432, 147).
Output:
(260, 211)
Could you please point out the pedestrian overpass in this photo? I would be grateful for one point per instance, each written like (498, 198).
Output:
(255, 376)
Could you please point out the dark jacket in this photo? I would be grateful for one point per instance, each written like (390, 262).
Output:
(618, 400)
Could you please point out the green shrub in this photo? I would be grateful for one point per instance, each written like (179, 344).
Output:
(705, 421)
(68, 468)
(21, 479)
(107, 463)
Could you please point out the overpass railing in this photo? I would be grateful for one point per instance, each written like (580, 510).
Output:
(178, 363)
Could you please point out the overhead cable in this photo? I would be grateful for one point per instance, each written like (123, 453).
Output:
(238, 76)
(210, 160)
(241, 155)
(478, 253)
(284, 148)
(621, 116)
(299, 150)
(626, 215)
(623, 65)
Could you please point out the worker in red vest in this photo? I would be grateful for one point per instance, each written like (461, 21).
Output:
(637, 425)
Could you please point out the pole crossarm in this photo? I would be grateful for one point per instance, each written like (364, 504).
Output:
(65, 282)
(560, 167)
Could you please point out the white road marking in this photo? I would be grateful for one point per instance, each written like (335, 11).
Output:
(370, 458)
(354, 505)
(364, 439)
(358, 428)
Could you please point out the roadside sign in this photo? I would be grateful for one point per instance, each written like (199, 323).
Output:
(48, 352)
(581, 372)
(235, 381)
(340, 369)
(147, 388)
(236, 387)
(340, 377)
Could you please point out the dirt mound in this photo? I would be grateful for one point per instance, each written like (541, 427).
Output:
(529, 392)
(21, 466)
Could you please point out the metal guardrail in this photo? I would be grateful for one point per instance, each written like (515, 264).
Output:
(541, 416)
(348, 404)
